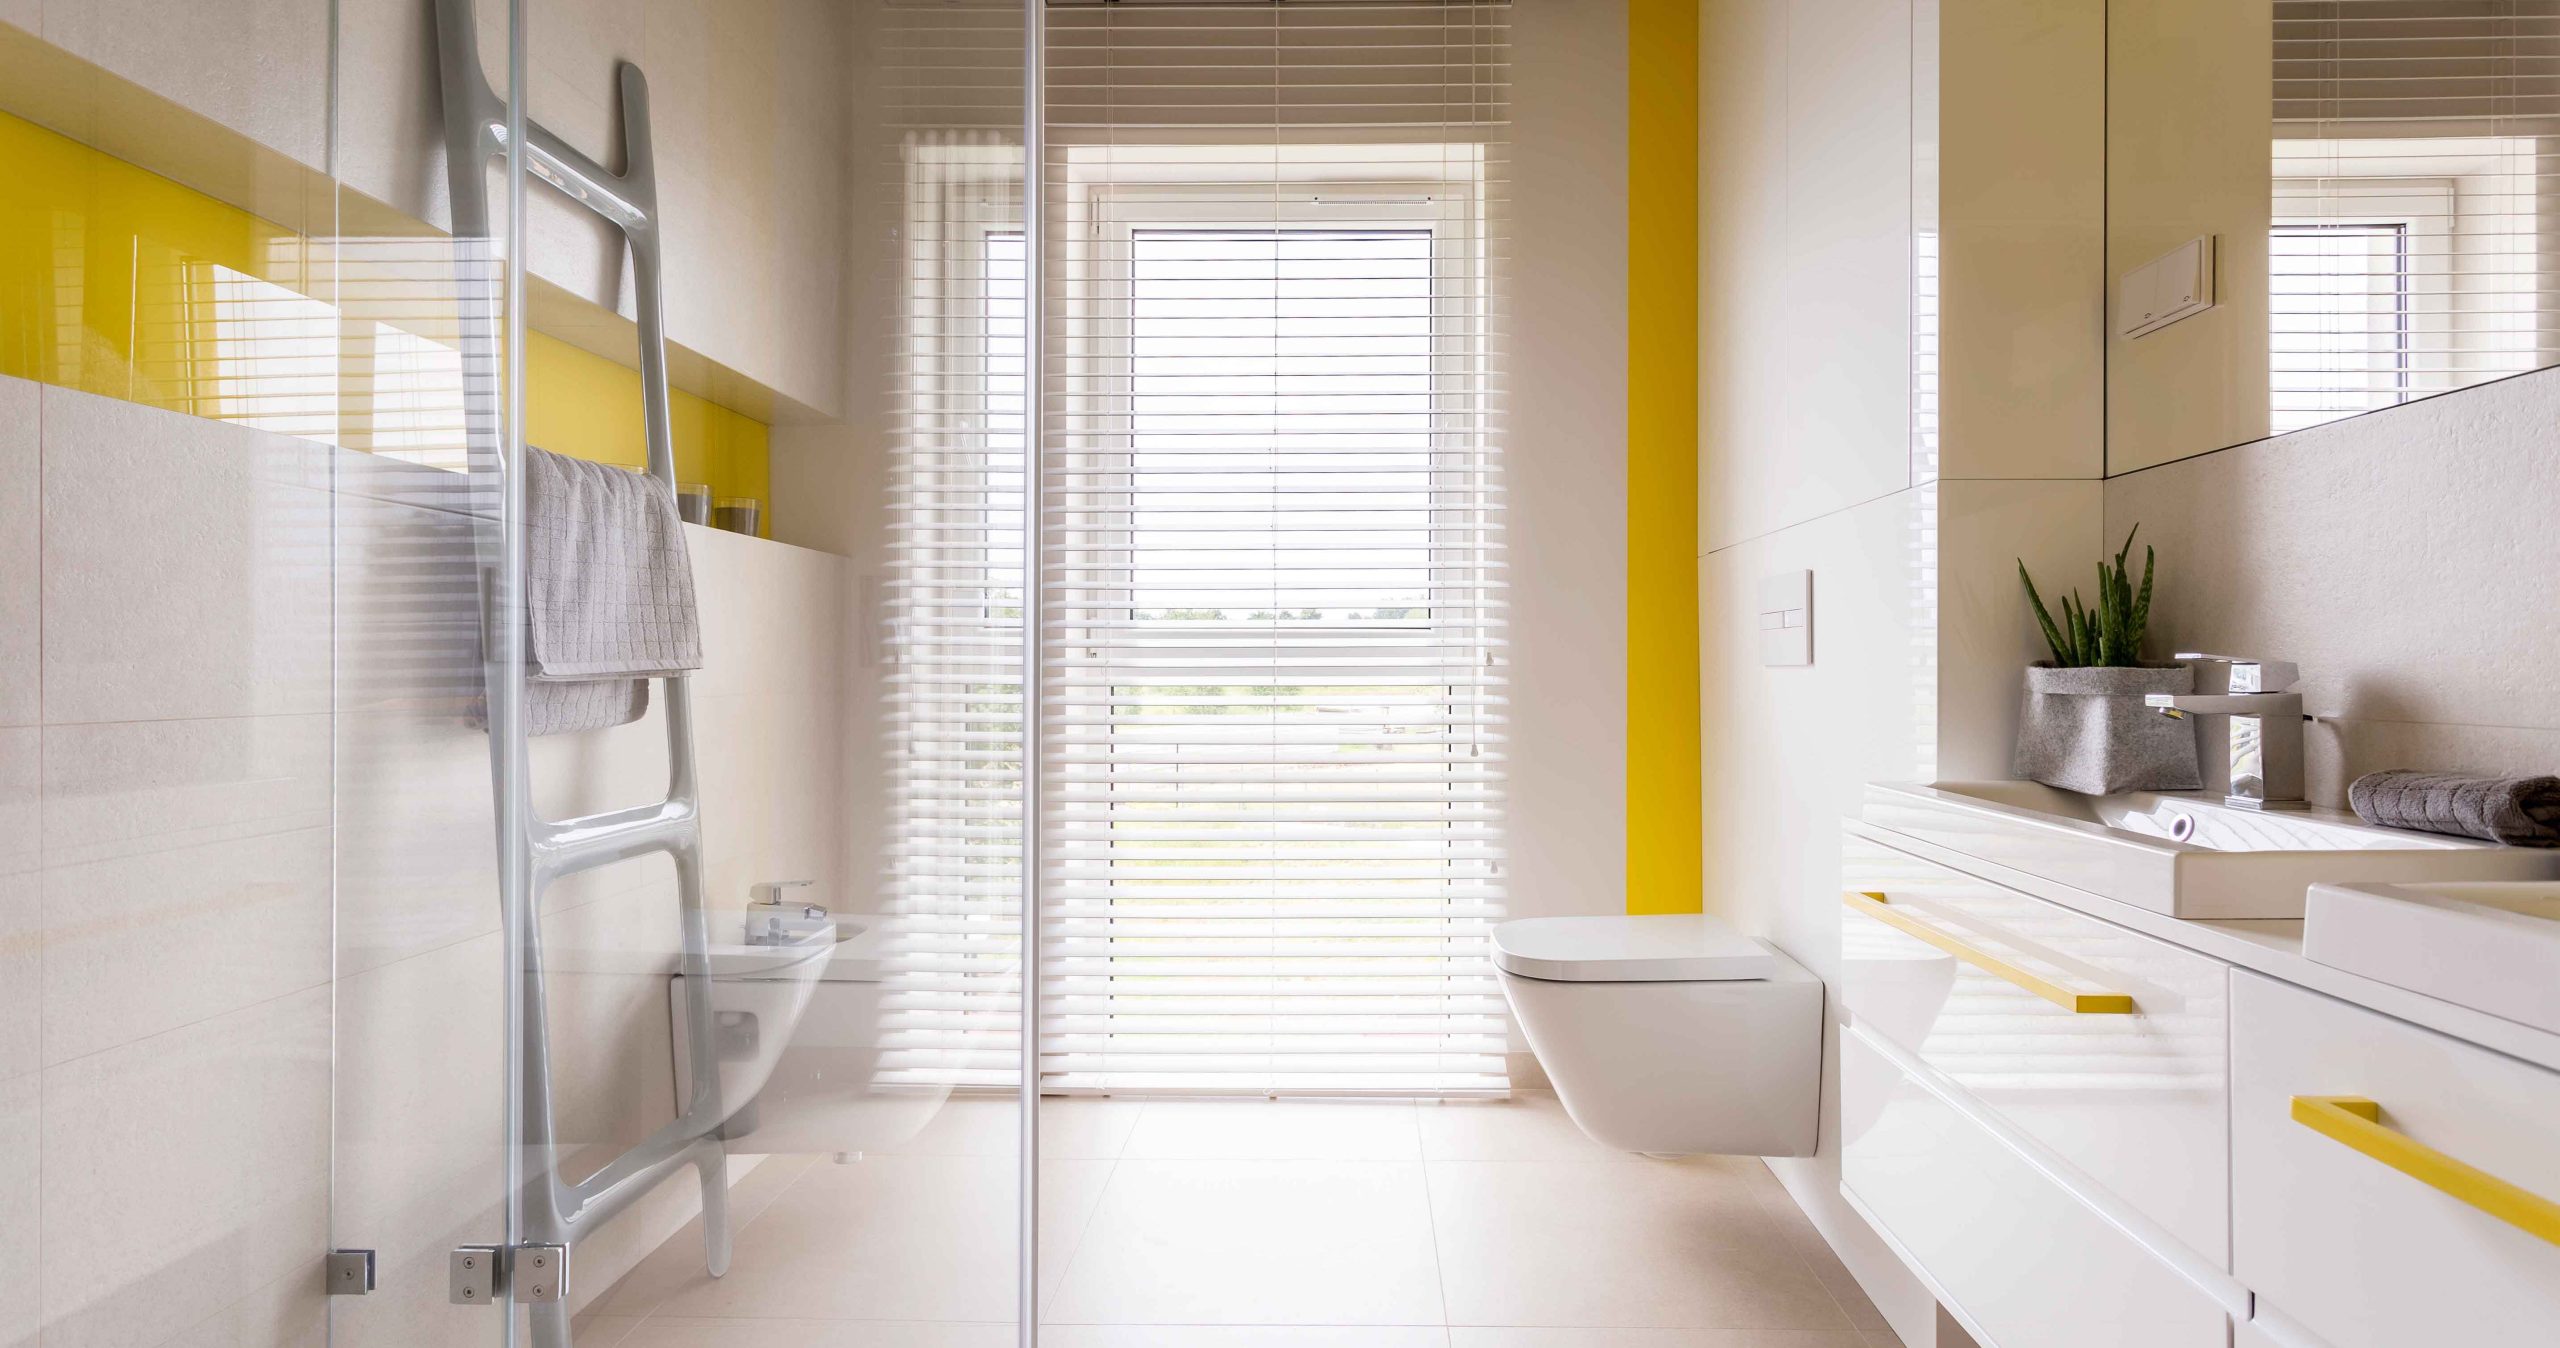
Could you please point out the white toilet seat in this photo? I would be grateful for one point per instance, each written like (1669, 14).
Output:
(1664, 948)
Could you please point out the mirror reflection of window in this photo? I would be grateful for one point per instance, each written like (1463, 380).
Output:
(2410, 248)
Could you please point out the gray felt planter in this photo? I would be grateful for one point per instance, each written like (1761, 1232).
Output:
(2087, 730)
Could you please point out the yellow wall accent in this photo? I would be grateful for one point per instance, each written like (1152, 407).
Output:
(117, 281)
(1663, 786)
(580, 404)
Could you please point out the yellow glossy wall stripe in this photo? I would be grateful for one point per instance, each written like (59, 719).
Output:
(2356, 1123)
(120, 282)
(2070, 999)
(1664, 832)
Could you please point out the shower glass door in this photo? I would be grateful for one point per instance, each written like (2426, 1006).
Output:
(762, 1064)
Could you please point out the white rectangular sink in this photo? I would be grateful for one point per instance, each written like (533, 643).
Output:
(2182, 853)
(2490, 947)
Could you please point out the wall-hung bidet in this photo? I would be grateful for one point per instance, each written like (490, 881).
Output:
(801, 1010)
(1670, 1034)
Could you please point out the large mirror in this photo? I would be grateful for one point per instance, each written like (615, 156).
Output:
(2320, 208)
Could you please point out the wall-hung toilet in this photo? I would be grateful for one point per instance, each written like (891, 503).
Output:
(805, 1032)
(1669, 1034)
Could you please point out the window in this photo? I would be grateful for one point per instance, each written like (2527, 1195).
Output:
(1274, 752)
(2339, 320)
(1270, 754)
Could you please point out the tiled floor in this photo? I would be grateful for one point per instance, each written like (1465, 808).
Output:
(1255, 1224)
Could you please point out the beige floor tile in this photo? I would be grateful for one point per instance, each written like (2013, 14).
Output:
(1243, 1336)
(679, 1259)
(1530, 1126)
(1604, 1244)
(1275, 1130)
(991, 1127)
(1883, 1338)
(602, 1331)
(928, 1238)
(749, 1332)
(1817, 1254)
(1256, 1243)
(1654, 1338)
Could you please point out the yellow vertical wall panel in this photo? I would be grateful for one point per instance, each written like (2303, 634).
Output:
(1663, 766)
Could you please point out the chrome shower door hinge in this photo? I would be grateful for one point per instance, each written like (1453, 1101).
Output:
(484, 1275)
(350, 1272)
(474, 1275)
(540, 1273)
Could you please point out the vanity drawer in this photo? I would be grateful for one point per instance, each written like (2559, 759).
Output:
(1964, 975)
(2331, 1234)
(2017, 1253)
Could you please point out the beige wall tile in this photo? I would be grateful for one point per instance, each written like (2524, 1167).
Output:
(420, 1131)
(196, 1149)
(220, 607)
(259, 67)
(2392, 556)
(21, 595)
(21, 759)
(1564, 463)
(2022, 237)
(119, 787)
(21, 1196)
(21, 974)
(147, 943)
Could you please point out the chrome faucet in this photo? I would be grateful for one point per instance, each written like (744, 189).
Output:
(2250, 703)
(773, 921)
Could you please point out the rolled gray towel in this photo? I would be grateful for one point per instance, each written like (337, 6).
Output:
(2517, 811)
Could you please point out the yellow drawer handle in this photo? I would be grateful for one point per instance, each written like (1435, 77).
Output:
(2357, 1123)
(1878, 907)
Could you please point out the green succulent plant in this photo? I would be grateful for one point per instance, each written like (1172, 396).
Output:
(2109, 634)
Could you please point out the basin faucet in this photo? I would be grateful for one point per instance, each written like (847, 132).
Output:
(773, 920)
(2260, 719)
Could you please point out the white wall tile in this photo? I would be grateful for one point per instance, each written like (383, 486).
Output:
(1789, 751)
(220, 607)
(198, 1149)
(119, 787)
(142, 944)
(21, 596)
(259, 67)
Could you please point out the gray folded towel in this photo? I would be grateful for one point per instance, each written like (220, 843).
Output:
(608, 591)
(2517, 811)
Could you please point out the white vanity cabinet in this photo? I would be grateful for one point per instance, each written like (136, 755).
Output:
(2085, 1125)
(2002, 1239)
(2126, 1082)
(2328, 1232)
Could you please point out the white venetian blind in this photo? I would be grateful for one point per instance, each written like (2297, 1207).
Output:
(1271, 580)
(950, 638)
(2414, 216)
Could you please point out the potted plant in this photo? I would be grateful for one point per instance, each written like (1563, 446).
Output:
(2084, 726)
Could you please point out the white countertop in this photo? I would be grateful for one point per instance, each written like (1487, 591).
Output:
(2273, 948)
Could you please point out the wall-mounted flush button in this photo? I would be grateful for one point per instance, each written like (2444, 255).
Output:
(1786, 619)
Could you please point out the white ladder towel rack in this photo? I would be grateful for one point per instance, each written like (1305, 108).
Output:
(544, 1209)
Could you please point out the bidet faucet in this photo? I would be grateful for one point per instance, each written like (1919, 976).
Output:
(773, 921)
(2260, 719)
